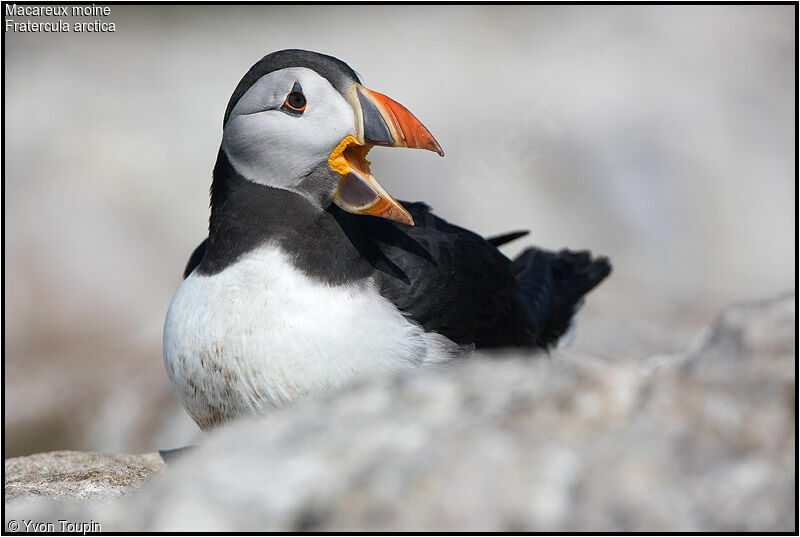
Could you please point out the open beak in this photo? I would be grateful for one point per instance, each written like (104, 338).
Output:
(379, 121)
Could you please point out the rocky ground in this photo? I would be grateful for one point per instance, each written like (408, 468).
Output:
(699, 440)
(77, 475)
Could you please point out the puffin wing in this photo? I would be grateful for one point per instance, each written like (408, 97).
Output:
(451, 281)
(455, 282)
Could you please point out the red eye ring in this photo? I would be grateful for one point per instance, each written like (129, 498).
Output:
(295, 101)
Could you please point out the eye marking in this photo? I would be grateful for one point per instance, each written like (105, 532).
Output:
(295, 102)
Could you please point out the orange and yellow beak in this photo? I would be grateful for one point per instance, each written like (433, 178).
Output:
(379, 121)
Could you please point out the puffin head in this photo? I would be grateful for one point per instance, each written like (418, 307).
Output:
(302, 121)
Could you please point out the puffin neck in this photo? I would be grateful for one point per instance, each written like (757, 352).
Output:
(247, 215)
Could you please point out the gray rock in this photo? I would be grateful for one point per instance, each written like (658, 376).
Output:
(696, 441)
(75, 475)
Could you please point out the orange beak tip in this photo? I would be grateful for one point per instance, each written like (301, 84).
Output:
(387, 122)
(398, 213)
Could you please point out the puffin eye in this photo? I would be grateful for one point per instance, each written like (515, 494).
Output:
(295, 102)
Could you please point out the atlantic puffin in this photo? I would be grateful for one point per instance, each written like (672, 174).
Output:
(312, 274)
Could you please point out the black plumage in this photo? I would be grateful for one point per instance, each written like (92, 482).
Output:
(443, 277)
(499, 240)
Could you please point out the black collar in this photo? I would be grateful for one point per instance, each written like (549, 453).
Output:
(330, 245)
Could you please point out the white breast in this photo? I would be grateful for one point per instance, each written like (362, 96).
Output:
(261, 333)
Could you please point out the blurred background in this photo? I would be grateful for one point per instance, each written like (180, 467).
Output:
(661, 136)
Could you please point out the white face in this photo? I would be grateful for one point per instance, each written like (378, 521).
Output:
(270, 146)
